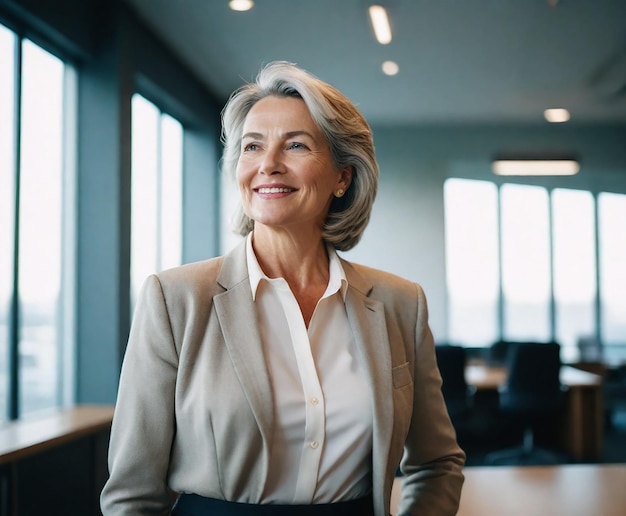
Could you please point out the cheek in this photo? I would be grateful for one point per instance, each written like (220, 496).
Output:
(242, 176)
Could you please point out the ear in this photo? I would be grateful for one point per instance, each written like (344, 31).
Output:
(345, 177)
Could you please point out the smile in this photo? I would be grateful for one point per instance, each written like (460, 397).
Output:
(275, 190)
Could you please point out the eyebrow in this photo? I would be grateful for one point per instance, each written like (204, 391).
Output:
(289, 134)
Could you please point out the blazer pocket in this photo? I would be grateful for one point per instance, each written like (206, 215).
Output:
(401, 376)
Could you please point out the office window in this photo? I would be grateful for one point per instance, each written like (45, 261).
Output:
(471, 222)
(573, 214)
(7, 205)
(548, 268)
(38, 214)
(612, 252)
(156, 192)
(525, 240)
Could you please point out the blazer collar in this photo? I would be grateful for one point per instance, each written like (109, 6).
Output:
(234, 268)
(355, 279)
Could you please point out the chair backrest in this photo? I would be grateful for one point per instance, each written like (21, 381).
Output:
(451, 362)
(499, 352)
(590, 349)
(533, 381)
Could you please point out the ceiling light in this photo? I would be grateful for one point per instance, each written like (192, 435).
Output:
(241, 5)
(556, 115)
(380, 23)
(535, 167)
(390, 68)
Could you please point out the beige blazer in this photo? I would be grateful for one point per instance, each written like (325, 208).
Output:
(195, 412)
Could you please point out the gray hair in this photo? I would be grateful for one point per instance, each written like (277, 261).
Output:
(348, 134)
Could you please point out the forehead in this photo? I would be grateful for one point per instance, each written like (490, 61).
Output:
(283, 113)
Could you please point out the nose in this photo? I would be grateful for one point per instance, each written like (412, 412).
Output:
(271, 162)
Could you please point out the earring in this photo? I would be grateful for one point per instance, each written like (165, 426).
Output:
(339, 193)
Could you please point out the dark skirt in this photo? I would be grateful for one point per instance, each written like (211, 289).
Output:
(195, 505)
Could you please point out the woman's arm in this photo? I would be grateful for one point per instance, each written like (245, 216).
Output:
(144, 423)
(433, 461)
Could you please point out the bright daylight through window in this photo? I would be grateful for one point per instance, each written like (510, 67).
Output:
(156, 192)
(542, 282)
(37, 229)
(471, 222)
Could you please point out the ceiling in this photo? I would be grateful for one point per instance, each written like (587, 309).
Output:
(461, 61)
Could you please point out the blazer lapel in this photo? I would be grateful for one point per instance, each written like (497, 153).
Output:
(237, 317)
(367, 319)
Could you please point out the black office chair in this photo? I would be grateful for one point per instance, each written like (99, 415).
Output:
(457, 394)
(499, 351)
(532, 393)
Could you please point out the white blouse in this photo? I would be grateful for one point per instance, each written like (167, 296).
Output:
(322, 442)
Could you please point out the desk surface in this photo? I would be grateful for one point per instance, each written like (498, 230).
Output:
(570, 490)
(487, 377)
(19, 439)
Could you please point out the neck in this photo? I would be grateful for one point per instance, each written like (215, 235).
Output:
(300, 258)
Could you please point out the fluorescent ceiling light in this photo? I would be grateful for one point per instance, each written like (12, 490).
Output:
(556, 115)
(380, 23)
(241, 5)
(390, 68)
(536, 167)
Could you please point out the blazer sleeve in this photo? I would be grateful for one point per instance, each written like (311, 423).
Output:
(433, 461)
(144, 422)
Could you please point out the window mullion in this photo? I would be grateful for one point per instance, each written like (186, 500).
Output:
(159, 193)
(598, 304)
(13, 409)
(66, 317)
(500, 273)
(551, 251)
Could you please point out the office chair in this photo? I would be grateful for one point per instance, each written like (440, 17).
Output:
(533, 392)
(457, 394)
(499, 351)
(590, 349)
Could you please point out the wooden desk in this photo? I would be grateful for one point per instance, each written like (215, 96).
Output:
(582, 427)
(23, 438)
(487, 377)
(54, 462)
(571, 490)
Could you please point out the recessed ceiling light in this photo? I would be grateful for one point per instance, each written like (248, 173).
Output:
(556, 115)
(380, 24)
(390, 68)
(241, 5)
(536, 167)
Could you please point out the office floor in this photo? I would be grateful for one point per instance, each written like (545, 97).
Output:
(484, 434)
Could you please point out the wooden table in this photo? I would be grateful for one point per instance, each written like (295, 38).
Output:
(582, 426)
(571, 490)
(26, 437)
(482, 376)
(54, 462)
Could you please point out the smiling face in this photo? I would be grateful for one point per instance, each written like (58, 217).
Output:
(286, 174)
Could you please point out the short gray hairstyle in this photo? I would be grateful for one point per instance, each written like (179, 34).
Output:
(348, 134)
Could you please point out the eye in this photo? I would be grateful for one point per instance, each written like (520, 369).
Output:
(297, 146)
(250, 147)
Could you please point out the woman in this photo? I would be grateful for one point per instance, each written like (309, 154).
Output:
(281, 379)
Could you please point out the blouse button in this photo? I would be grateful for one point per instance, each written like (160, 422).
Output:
(314, 401)
(314, 444)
